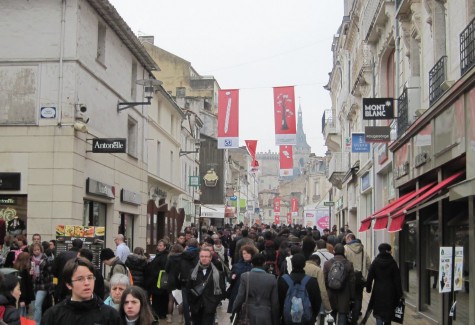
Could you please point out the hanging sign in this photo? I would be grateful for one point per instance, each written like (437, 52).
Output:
(289, 218)
(377, 133)
(286, 161)
(294, 207)
(358, 143)
(284, 116)
(228, 118)
(251, 148)
(277, 210)
(378, 108)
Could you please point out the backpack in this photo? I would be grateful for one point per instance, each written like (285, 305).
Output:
(127, 272)
(337, 275)
(297, 305)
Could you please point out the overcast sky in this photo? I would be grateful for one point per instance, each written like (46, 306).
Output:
(251, 45)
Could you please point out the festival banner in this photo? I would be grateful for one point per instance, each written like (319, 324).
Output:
(228, 118)
(286, 161)
(289, 218)
(251, 148)
(284, 116)
(277, 210)
(294, 207)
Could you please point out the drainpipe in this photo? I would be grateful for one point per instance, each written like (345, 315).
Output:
(61, 55)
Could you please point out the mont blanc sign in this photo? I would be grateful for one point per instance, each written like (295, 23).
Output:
(378, 108)
(109, 145)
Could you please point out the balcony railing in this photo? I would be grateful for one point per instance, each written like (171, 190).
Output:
(328, 121)
(402, 113)
(437, 76)
(339, 163)
(467, 48)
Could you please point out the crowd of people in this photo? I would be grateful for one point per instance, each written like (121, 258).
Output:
(268, 274)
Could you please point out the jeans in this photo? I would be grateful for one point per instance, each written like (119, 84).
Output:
(186, 306)
(342, 320)
(379, 321)
(39, 298)
(357, 304)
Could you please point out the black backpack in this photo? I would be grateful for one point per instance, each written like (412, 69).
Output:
(337, 275)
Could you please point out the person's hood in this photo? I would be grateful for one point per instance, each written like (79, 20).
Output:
(189, 255)
(355, 247)
(137, 260)
(384, 260)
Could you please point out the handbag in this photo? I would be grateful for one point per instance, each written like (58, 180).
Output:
(398, 316)
(198, 289)
(244, 313)
(162, 282)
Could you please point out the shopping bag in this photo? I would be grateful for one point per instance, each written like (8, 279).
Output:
(398, 316)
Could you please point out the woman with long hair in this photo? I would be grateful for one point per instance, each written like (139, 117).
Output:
(42, 278)
(23, 265)
(173, 270)
(134, 307)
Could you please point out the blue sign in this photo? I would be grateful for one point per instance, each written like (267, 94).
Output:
(233, 198)
(358, 143)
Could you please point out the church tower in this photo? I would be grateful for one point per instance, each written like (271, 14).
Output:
(301, 150)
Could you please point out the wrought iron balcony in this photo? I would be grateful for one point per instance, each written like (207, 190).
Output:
(437, 76)
(467, 48)
(402, 113)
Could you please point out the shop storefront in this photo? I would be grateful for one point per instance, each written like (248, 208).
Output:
(13, 209)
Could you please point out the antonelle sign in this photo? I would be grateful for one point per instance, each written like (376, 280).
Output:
(109, 145)
(378, 108)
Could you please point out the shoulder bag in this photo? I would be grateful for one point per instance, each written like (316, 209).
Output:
(244, 313)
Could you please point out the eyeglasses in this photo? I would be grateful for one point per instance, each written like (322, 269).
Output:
(82, 279)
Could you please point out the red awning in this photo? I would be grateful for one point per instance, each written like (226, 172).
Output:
(382, 217)
(365, 224)
(396, 223)
(430, 193)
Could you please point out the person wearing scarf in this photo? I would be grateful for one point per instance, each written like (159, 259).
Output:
(203, 307)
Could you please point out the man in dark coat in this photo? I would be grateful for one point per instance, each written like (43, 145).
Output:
(263, 299)
(206, 288)
(297, 275)
(3, 232)
(189, 258)
(340, 299)
(387, 288)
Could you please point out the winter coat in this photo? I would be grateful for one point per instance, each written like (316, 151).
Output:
(189, 258)
(312, 269)
(26, 287)
(387, 288)
(45, 280)
(312, 289)
(136, 264)
(263, 298)
(353, 253)
(340, 299)
(152, 271)
(173, 270)
(11, 316)
(69, 312)
(208, 301)
(239, 268)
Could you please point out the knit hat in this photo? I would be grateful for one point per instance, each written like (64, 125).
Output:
(107, 254)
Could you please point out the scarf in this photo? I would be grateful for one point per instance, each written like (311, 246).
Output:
(220, 251)
(215, 274)
(37, 261)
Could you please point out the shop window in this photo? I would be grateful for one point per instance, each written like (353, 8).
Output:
(94, 214)
(13, 209)
(126, 228)
(101, 43)
(408, 262)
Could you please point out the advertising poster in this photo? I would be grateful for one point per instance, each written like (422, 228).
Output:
(228, 118)
(284, 115)
(458, 269)
(445, 269)
(277, 210)
(294, 207)
(318, 218)
(289, 218)
(286, 165)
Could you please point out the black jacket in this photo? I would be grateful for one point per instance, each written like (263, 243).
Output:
(173, 270)
(69, 312)
(189, 259)
(153, 270)
(136, 264)
(208, 301)
(61, 291)
(387, 287)
(11, 315)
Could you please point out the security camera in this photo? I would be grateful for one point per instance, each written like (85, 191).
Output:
(83, 109)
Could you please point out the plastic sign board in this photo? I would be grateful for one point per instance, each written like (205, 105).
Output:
(378, 108)
(109, 145)
(358, 143)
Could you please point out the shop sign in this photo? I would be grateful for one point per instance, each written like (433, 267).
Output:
(358, 143)
(382, 153)
(5, 200)
(421, 159)
(401, 170)
(377, 133)
(378, 108)
(99, 188)
(48, 112)
(10, 181)
(194, 181)
(109, 145)
(130, 197)
(365, 181)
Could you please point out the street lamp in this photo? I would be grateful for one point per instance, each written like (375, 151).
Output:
(197, 148)
(149, 88)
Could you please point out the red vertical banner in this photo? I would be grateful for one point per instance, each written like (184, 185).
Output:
(289, 218)
(228, 118)
(277, 210)
(286, 161)
(284, 116)
(294, 207)
(251, 148)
